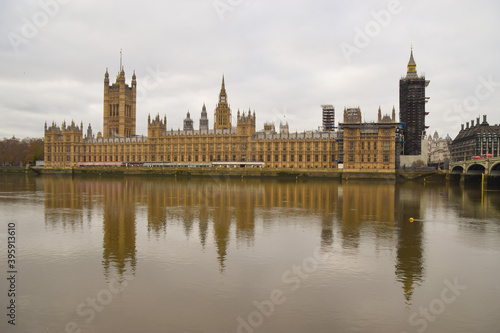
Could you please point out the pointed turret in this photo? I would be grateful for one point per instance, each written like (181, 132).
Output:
(134, 80)
(89, 132)
(106, 78)
(412, 66)
(204, 118)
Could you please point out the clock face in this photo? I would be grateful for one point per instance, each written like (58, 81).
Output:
(223, 99)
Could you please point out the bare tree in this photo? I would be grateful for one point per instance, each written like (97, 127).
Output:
(14, 151)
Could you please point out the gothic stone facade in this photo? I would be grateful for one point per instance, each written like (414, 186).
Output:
(369, 146)
(69, 146)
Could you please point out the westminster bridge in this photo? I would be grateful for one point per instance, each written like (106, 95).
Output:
(487, 166)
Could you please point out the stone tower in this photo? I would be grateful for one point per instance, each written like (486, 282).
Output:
(119, 112)
(352, 115)
(156, 126)
(412, 108)
(246, 123)
(222, 111)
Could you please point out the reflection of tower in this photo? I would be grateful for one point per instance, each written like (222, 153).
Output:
(328, 202)
(245, 215)
(157, 212)
(370, 202)
(222, 209)
(203, 227)
(410, 261)
(326, 230)
(187, 204)
(351, 215)
(118, 225)
(63, 202)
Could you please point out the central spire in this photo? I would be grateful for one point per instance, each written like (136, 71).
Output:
(222, 111)
(223, 88)
(223, 95)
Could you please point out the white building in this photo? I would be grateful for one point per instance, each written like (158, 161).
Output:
(439, 148)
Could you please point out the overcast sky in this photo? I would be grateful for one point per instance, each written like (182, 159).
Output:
(282, 59)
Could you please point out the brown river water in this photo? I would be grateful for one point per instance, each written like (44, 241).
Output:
(139, 254)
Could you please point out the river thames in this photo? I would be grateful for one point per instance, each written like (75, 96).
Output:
(141, 254)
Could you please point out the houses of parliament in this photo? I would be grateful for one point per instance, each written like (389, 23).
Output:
(355, 146)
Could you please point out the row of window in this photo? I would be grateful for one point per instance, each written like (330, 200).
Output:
(369, 158)
(196, 147)
(196, 158)
(369, 145)
(353, 132)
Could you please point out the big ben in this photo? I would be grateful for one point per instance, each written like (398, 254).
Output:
(412, 108)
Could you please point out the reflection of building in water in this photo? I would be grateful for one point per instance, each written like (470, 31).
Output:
(328, 206)
(187, 204)
(222, 205)
(63, 202)
(157, 211)
(475, 204)
(214, 206)
(203, 216)
(245, 203)
(366, 202)
(410, 259)
(223, 202)
(118, 224)
(297, 199)
(67, 199)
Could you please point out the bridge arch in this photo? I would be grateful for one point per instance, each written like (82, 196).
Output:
(476, 169)
(495, 169)
(457, 169)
